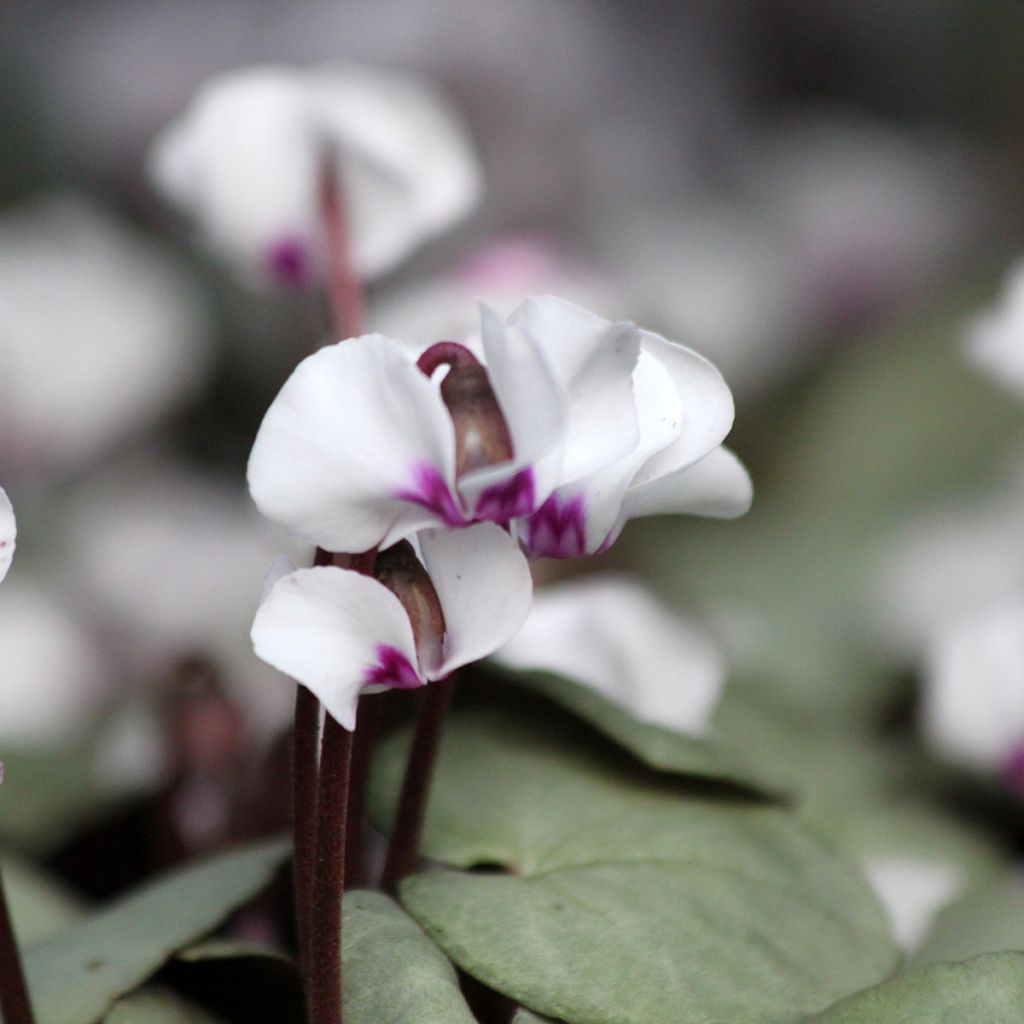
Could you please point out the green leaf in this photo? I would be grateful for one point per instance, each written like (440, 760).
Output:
(39, 906)
(75, 976)
(393, 972)
(154, 1005)
(986, 990)
(633, 898)
(662, 749)
(987, 920)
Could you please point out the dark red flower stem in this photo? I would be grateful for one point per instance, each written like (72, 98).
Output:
(344, 291)
(367, 726)
(324, 962)
(407, 829)
(304, 775)
(15, 1006)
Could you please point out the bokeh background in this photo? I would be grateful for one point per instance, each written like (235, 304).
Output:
(817, 194)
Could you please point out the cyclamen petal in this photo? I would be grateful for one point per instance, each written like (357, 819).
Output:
(8, 533)
(610, 634)
(336, 631)
(357, 450)
(245, 160)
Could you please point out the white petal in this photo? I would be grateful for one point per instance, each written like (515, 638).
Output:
(595, 360)
(707, 401)
(913, 890)
(483, 583)
(973, 708)
(535, 407)
(244, 160)
(717, 485)
(335, 631)
(357, 449)
(612, 635)
(995, 341)
(408, 164)
(8, 533)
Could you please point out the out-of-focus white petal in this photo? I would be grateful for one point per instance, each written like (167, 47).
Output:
(717, 485)
(336, 631)
(100, 335)
(245, 161)
(612, 635)
(53, 674)
(913, 890)
(8, 533)
(534, 405)
(707, 401)
(357, 449)
(995, 341)
(484, 586)
(973, 709)
(408, 165)
(595, 360)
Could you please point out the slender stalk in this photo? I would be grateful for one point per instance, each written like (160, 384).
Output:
(324, 964)
(344, 290)
(304, 774)
(15, 1006)
(367, 725)
(407, 830)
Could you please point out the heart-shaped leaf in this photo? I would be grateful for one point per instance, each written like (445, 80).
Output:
(39, 906)
(986, 990)
(75, 976)
(154, 1005)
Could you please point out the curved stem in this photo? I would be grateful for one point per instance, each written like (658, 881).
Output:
(343, 287)
(15, 1006)
(329, 875)
(407, 829)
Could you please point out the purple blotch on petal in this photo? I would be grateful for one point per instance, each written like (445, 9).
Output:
(430, 491)
(506, 501)
(287, 262)
(558, 528)
(393, 669)
(1013, 771)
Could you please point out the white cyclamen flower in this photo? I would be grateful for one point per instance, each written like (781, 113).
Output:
(995, 340)
(246, 160)
(974, 691)
(571, 425)
(420, 617)
(612, 635)
(8, 533)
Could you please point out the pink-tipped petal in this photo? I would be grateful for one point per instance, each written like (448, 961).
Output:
(336, 631)
(357, 450)
(483, 583)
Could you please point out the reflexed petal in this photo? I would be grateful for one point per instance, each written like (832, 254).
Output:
(407, 161)
(336, 631)
(357, 449)
(717, 485)
(243, 160)
(534, 405)
(8, 533)
(973, 708)
(913, 890)
(591, 508)
(595, 360)
(483, 583)
(612, 635)
(707, 401)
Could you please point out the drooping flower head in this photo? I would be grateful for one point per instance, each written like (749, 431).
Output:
(613, 635)
(8, 533)
(245, 162)
(560, 427)
(428, 608)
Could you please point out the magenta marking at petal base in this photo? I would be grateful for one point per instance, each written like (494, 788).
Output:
(430, 490)
(1013, 771)
(501, 503)
(558, 529)
(393, 669)
(287, 262)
